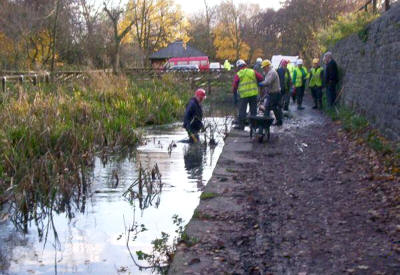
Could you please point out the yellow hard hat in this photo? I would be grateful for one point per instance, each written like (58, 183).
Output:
(265, 63)
(315, 61)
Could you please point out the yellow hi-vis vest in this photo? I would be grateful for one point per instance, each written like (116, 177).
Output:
(315, 77)
(248, 83)
(299, 76)
(227, 65)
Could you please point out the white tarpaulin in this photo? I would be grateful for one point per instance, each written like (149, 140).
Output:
(276, 60)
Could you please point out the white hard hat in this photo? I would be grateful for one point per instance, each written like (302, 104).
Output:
(300, 62)
(240, 63)
(259, 60)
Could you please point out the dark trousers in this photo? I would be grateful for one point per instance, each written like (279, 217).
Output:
(300, 95)
(331, 94)
(252, 101)
(235, 98)
(285, 99)
(193, 133)
(274, 102)
(316, 93)
(293, 94)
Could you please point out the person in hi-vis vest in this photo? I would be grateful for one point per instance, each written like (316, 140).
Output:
(245, 83)
(299, 79)
(315, 84)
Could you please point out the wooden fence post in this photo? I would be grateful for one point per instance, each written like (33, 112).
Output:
(4, 83)
(192, 82)
(209, 83)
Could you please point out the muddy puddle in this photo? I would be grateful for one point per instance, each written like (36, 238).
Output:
(92, 234)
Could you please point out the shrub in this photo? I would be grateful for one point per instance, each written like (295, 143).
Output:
(345, 26)
(50, 133)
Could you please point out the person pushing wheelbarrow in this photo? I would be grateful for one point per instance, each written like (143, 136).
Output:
(271, 100)
(272, 91)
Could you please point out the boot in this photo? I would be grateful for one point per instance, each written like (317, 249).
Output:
(320, 104)
(315, 104)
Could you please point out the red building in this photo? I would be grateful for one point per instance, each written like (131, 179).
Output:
(176, 49)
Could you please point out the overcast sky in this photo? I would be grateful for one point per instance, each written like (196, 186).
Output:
(191, 6)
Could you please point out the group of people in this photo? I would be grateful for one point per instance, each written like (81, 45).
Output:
(273, 88)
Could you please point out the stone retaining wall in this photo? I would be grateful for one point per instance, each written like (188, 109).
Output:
(370, 63)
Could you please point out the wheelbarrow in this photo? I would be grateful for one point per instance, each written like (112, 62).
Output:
(259, 127)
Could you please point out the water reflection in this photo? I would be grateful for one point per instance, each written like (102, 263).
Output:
(194, 158)
(146, 188)
(85, 230)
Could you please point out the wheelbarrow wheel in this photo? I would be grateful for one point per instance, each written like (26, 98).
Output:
(251, 132)
(268, 134)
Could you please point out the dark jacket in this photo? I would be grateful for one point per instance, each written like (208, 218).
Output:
(193, 116)
(257, 68)
(331, 73)
(284, 78)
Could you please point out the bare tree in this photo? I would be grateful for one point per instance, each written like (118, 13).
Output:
(210, 13)
(156, 23)
(250, 29)
(95, 35)
(54, 36)
(230, 16)
(114, 15)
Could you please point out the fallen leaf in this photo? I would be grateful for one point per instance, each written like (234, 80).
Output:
(194, 261)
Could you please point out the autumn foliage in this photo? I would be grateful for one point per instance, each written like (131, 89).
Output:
(97, 34)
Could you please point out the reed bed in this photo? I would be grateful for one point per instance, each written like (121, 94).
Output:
(50, 134)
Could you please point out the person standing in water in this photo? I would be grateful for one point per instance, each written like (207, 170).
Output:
(193, 119)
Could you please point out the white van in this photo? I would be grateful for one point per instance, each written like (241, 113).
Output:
(276, 60)
(215, 66)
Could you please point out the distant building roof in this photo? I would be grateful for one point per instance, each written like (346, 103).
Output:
(176, 49)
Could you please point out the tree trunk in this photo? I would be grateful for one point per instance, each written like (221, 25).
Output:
(387, 5)
(53, 46)
(117, 50)
(374, 8)
(251, 53)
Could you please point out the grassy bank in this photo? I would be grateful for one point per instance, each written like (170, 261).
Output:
(360, 130)
(49, 134)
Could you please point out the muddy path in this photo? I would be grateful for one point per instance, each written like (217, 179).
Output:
(304, 203)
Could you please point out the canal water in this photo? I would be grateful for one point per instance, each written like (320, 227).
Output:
(93, 236)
